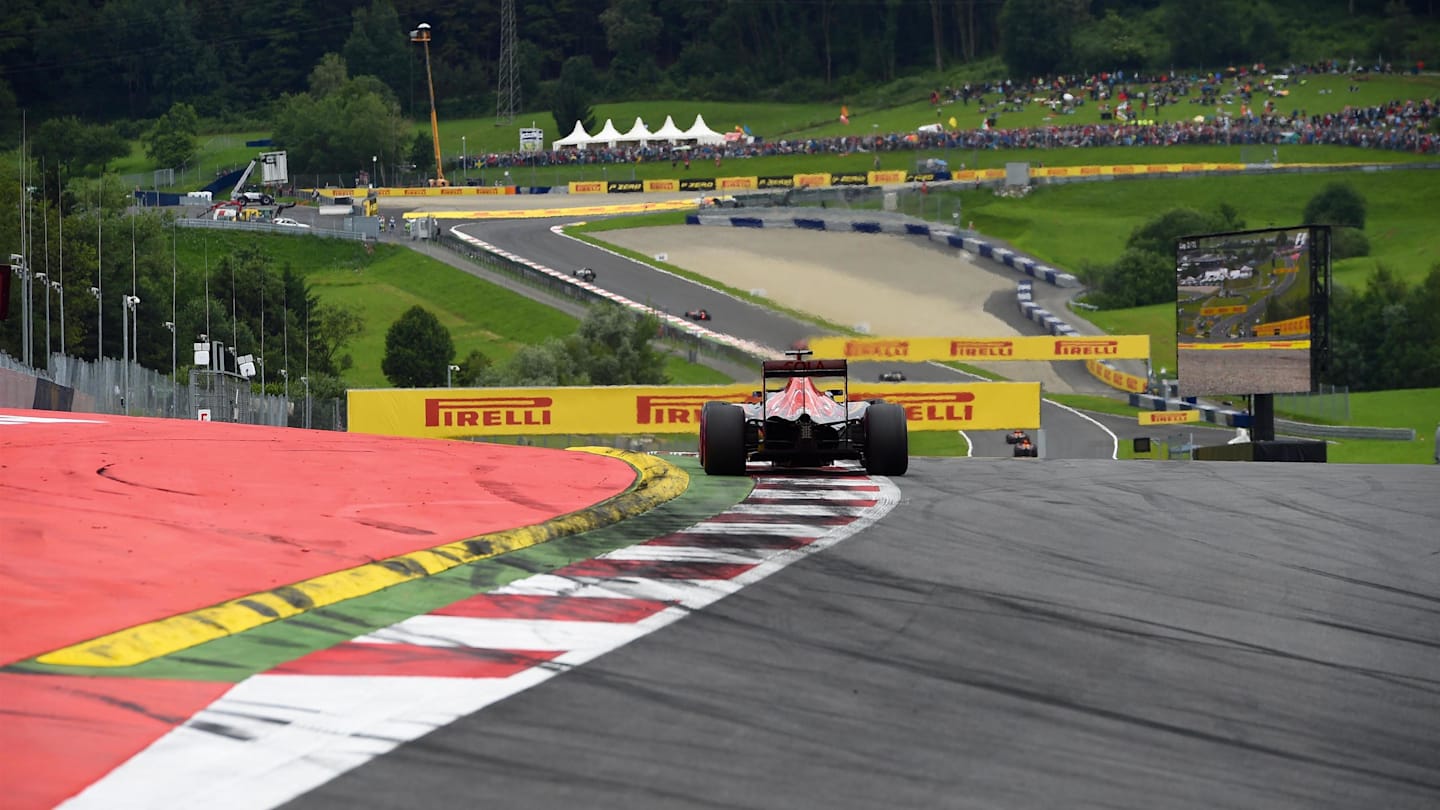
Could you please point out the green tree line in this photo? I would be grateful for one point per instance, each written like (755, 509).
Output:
(133, 60)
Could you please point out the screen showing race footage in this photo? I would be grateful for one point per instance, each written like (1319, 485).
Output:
(1243, 316)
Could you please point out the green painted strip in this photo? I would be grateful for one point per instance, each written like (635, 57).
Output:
(236, 657)
(657, 482)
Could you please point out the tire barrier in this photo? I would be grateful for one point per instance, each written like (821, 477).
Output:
(887, 222)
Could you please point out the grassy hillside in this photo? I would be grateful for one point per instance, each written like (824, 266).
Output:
(479, 314)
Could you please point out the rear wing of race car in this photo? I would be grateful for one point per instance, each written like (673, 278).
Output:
(805, 368)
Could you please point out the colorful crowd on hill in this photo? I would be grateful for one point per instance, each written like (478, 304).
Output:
(1131, 108)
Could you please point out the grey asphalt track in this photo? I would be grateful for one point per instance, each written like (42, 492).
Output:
(1068, 435)
(1017, 634)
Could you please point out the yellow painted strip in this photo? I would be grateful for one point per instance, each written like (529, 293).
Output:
(657, 482)
(1256, 344)
(579, 210)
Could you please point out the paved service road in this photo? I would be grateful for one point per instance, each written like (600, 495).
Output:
(1067, 435)
(1018, 634)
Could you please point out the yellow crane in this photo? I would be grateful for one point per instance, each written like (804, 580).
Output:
(421, 34)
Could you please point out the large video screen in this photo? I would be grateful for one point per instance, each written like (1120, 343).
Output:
(1251, 310)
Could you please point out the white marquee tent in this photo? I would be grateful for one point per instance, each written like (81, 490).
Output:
(702, 134)
(668, 132)
(607, 136)
(578, 137)
(638, 133)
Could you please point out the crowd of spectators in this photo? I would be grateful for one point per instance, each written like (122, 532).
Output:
(1239, 106)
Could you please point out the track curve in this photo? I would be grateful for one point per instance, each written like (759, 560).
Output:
(1020, 634)
(1068, 434)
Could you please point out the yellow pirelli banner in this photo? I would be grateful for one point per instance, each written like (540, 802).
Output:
(1249, 345)
(887, 177)
(1229, 309)
(1115, 378)
(459, 413)
(1289, 326)
(428, 191)
(1169, 417)
(737, 183)
(920, 349)
(662, 185)
(589, 187)
(802, 180)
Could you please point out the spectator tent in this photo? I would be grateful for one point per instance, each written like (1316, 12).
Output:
(607, 136)
(638, 134)
(668, 132)
(577, 138)
(701, 134)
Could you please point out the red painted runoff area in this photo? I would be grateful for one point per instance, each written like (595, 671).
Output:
(61, 732)
(107, 522)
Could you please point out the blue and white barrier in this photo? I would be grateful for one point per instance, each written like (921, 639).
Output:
(851, 221)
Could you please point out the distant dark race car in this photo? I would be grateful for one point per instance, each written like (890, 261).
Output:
(1015, 437)
(794, 423)
(697, 314)
(892, 376)
(1025, 448)
(585, 274)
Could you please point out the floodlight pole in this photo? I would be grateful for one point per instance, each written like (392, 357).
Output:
(422, 35)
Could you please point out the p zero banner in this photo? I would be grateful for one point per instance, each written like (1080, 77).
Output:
(849, 179)
(786, 181)
(458, 413)
(919, 349)
(588, 187)
(697, 184)
(624, 186)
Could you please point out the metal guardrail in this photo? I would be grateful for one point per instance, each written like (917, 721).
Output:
(693, 344)
(1343, 431)
(266, 227)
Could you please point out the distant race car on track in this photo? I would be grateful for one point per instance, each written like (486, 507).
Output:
(585, 274)
(697, 314)
(892, 376)
(1015, 437)
(1026, 449)
(796, 424)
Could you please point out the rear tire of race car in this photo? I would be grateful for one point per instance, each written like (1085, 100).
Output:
(887, 440)
(722, 439)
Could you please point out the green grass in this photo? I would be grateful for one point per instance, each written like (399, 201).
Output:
(1098, 404)
(1156, 320)
(1417, 408)
(478, 314)
(938, 443)
(773, 121)
(682, 372)
(1074, 224)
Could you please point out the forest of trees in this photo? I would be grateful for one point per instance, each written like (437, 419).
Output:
(133, 60)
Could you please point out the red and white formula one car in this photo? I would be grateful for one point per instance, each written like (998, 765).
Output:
(796, 424)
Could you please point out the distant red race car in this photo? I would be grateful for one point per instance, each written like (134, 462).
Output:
(697, 314)
(796, 424)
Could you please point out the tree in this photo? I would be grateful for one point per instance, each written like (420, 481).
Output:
(572, 96)
(631, 32)
(474, 367)
(333, 326)
(378, 45)
(418, 349)
(342, 124)
(1336, 204)
(171, 141)
(1035, 35)
(613, 347)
